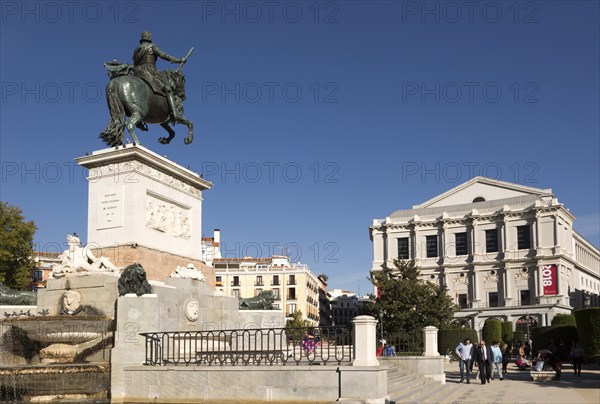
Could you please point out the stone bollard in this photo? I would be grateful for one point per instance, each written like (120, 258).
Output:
(430, 341)
(365, 341)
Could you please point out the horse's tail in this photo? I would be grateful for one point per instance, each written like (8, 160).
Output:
(113, 134)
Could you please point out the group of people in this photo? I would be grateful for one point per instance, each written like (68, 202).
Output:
(385, 349)
(487, 358)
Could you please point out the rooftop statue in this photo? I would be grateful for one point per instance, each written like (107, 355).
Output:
(145, 94)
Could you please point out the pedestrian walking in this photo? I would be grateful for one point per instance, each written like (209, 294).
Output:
(497, 355)
(464, 350)
(577, 358)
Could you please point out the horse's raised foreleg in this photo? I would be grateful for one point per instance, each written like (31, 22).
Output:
(133, 121)
(166, 140)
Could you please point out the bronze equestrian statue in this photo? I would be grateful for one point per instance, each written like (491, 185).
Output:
(145, 94)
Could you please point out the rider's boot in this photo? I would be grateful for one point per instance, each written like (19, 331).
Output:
(173, 105)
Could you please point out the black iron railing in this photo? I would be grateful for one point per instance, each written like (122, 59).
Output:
(273, 346)
(404, 344)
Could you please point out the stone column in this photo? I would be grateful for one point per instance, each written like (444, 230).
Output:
(508, 285)
(430, 341)
(365, 341)
(475, 287)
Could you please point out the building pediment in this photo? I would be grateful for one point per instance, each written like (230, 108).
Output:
(481, 189)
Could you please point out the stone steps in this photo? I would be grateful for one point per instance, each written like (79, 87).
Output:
(406, 387)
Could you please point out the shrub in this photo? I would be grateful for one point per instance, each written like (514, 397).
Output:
(507, 332)
(492, 331)
(518, 336)
(449, 339)
(563, 319)
(588, 326)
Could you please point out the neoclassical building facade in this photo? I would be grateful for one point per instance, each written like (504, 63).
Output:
(503, 250)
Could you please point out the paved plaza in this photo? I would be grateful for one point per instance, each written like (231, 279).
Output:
(517, 387)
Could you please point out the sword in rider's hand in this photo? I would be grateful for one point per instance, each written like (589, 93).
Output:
(185, 58)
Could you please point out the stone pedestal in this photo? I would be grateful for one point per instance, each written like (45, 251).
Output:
(365, 341)
(141, 203)
(430, 335)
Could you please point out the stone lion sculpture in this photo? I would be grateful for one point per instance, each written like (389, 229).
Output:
(262, 301)
(133, 280)
(12, 297)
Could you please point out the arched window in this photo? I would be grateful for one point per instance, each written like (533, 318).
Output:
(479, 199)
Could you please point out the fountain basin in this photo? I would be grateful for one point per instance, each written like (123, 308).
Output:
(65, 337)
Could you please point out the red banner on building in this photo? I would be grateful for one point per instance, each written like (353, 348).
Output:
(550, 279)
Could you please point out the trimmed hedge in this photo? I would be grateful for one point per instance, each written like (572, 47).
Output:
(588, 325)
(492, 331)
(449, 339)
(518, 336)
(563, 319)
(507, 332)
(541, 337)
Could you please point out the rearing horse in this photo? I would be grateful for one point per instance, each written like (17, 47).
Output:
(131, 96)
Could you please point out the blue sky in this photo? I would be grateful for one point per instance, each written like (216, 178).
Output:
(311, 118)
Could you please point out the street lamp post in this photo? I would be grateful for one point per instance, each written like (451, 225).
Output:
(381, 314)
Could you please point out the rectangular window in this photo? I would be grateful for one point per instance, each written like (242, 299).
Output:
(403, 248)
(523, 237)
(292, 280)
(491, 240)
(431, 243)
(257, 292)
(460, 240)
(236, 293)
(259, 281)
(493, 299)
(291, 309)
(38, 275)
(463, 302)
(525, 297)
(236, 281)
(292, 294)
(275, 280)
(276, 293)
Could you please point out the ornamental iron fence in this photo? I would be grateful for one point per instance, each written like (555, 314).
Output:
(263, 346)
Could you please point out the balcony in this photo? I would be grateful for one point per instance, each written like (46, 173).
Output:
(259, 283)
(275, 283)
(219, 283)
(235, 283)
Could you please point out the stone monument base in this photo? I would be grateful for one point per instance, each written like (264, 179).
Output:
(157, 264)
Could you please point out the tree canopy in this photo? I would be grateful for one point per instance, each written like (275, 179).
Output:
(16, 247)
(410, 303)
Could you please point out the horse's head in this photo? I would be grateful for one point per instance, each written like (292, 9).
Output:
(178, 80)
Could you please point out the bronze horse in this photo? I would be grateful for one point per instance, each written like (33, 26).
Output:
(131, 96)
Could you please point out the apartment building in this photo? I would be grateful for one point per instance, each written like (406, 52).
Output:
(295, 286)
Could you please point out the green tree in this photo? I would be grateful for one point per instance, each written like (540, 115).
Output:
(409, 302)
(295, 327)
(16, 247)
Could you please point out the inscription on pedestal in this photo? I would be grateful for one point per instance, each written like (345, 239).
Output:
(110, 209)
